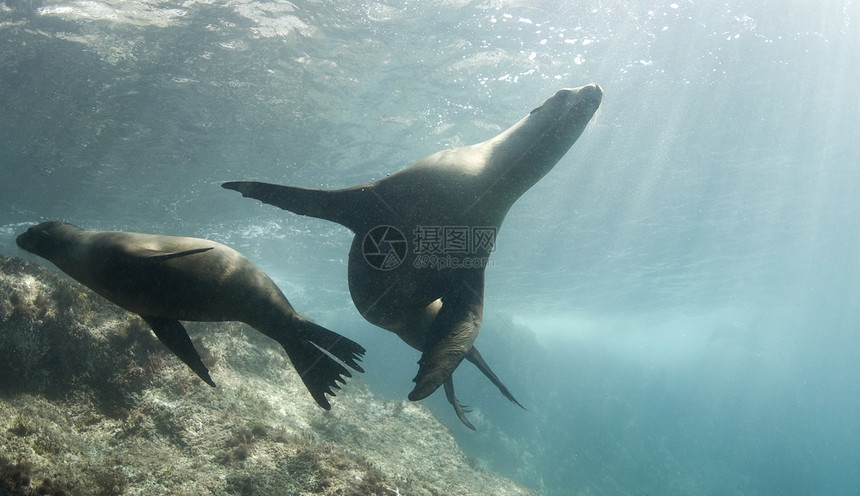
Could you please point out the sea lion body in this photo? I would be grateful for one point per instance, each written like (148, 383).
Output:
(165, 279)
(218, 284)
(438, 310)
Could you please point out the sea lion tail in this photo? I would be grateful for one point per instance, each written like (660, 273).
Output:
(320, 373)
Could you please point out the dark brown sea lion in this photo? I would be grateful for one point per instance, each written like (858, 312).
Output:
(165, 279)
(435, 304)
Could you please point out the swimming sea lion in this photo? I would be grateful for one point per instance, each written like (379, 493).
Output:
(435, 304)
(165, 279)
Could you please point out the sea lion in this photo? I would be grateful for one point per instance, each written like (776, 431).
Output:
(165, 279)
(435, 305)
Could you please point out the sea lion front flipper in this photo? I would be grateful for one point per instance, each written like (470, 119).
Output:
(476, 358)
(459, 409)
(349, 207)
(149, 256)
(175, 337)
(451, 335)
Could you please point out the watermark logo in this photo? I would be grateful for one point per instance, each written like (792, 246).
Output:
(384, 247)
(442, 262)
(448, 240)
(434, 247)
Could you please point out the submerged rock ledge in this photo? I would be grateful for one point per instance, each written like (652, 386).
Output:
(92, 403)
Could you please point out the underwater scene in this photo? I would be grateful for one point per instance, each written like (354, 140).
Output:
(253, 247)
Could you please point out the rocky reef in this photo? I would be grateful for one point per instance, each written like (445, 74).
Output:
(92, 404)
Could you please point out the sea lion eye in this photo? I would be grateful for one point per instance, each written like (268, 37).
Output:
(535, 110)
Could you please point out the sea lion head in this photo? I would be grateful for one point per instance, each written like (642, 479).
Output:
(45, 239)
(568, 111)
(529, 149)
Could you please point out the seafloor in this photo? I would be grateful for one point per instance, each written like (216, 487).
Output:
(92, 403)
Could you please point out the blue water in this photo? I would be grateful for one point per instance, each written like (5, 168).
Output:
(676, 303)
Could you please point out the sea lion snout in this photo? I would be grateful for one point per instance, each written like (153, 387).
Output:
(591, 95)
(27, 240)
(587, 98)
(589, 90)
(40, 238)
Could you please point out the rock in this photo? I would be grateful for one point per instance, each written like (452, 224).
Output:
(92, 403)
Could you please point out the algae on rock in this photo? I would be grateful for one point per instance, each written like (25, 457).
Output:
(91, 403)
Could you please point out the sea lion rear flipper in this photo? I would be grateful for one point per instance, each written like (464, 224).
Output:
(318, 371)
(476, 358)
(343, 348)
(175, 337)
(459, 409)
(347, 207)
(450, 336)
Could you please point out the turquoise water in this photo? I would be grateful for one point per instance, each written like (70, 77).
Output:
(676, 303)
